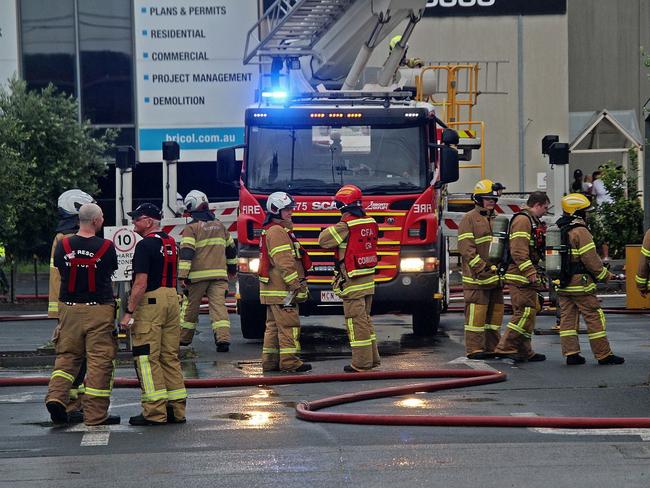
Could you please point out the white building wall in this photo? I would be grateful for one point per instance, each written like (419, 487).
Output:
(493, 42)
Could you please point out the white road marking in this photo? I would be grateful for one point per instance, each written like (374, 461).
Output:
(21, 398)
(643, 433)
(95, 439)
(473, 363)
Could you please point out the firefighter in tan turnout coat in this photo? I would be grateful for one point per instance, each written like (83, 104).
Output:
(481, 284)
(578, 295)
(643, 270)
(208, 257)
(526, 239)
(68, 204)
(283, 264)
(355, 240)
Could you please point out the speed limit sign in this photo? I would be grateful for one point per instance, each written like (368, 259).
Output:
(124, 239)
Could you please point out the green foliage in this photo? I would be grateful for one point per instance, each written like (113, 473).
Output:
(621, 222)
(44, 151)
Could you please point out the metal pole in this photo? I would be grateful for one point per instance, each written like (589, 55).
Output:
(646, 175)
(520, 102)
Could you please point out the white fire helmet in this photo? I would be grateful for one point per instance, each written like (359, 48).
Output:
(71, 201)
(196, 200)
(279, 200)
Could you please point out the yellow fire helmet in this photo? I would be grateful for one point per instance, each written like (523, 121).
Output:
(487, 188)
(573, 202)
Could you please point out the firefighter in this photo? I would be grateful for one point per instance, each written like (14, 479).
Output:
(355, 240)
(283, 264)
(69, 203)
(87, 319)
(153, 315)
(208, 257)
(4, 284)
(406, 62)
(578, 295)
(526, 241)
(643, 270)
(481, 284)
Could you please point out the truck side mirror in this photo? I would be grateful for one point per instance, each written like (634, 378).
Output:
(448, 165)
(228, 169)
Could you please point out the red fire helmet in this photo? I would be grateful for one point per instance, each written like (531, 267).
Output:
(348, 195)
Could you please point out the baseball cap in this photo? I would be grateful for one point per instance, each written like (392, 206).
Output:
(577, 173)
(146, 210)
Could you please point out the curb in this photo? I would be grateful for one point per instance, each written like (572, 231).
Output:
(28, 359)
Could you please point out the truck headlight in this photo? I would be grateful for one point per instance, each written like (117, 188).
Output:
(249, 265)
(411, 265)
(417, 265)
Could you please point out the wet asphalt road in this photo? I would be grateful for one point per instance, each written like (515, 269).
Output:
(249, 436)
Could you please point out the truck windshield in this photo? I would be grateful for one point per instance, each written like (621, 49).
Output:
(319, 159)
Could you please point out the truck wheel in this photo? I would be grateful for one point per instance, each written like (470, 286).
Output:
(253, 319)
(426, 319)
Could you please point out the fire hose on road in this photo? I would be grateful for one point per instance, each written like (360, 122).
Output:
(460, 378)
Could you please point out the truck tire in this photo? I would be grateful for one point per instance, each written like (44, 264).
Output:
(426, 319)
(252, 317)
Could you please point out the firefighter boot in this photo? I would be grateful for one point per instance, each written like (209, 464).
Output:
(110, 420)
(573, 359)
(186, 336)
(57, 412)
(221, 346)
(141, 420)
(611, 359)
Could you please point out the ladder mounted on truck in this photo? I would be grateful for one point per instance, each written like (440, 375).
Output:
(338, 35)
(292, 27)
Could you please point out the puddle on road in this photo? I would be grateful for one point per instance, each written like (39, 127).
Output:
(472, 400)
(253, 419)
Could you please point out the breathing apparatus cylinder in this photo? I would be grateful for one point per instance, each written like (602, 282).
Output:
(499, 237)
(554, 251)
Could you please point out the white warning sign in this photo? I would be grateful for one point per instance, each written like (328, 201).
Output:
(124, 239)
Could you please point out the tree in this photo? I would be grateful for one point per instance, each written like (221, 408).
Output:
(621, 222)
(45, 151)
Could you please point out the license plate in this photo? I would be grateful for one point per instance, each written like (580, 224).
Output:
(329, 296)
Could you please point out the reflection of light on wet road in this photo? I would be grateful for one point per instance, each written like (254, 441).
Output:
(259, 419)
(262, 394)
(411, 403)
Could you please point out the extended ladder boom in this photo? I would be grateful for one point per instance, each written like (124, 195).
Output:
(336, 34)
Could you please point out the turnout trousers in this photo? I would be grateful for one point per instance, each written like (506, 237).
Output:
(571, 306)
(281, 339)
(86, 332)
(77, 388)
(155, 336)
(216, 291)
(483, 317)
(361, 333)
(517, 337)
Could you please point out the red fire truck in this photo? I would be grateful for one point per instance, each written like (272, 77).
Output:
(322, 125)
(310, 147)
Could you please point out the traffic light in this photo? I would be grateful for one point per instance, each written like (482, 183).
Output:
(125, 158)
(171, 151)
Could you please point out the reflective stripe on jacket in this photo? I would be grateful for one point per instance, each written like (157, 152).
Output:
(285, 266)
(208, 252)
(583, 249)
(346, 286)
(474, 236)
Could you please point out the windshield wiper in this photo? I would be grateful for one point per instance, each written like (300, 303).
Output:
(401, 186)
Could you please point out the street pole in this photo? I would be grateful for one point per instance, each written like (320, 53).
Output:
(646, 170)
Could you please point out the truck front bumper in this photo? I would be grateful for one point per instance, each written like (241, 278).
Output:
(398, 295)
